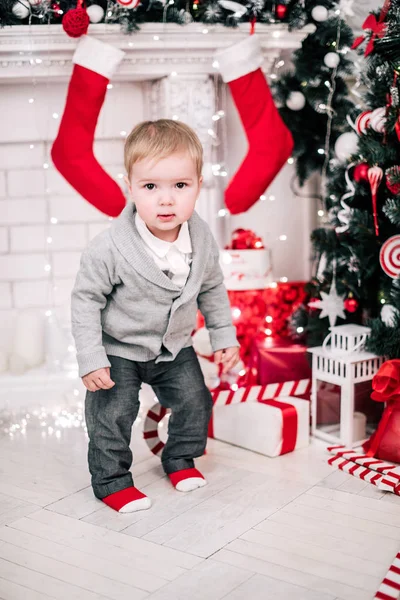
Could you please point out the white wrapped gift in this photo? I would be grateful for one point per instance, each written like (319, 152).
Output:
(246, 269)
(269, 427)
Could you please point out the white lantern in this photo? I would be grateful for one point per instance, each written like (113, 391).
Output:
(296, 101)
(341, 385)
(332, 59)
(95, 13)
(346, 145)
(21, 9)
(319, 13)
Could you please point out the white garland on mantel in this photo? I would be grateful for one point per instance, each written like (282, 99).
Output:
(45, 51)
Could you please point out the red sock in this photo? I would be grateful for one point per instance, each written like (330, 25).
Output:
(179, 476)
(130, 494)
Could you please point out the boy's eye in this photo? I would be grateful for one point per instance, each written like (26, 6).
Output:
(149, 186)
(181, 185)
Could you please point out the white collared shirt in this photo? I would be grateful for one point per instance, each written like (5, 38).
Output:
(173, 258)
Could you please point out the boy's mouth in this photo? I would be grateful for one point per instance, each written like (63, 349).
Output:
(167, 217)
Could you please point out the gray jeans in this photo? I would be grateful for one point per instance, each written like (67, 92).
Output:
(110, 414)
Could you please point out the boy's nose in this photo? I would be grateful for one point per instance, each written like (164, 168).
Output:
(167, 199)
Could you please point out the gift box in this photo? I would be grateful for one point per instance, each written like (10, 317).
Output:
(275, 360)
(270, 427)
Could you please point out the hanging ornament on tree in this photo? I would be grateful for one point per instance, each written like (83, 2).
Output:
(95, 12)
(55, 7)
(270, 141)
(351, 304)
(128, 3)
(346, 213)
(76, 21)
(389, 315)
(35, 2)
(378, 119)
(362, 121)
(331, 60)
(331, 305)
(393, 180)
(319, 13)
(346, 145)
(360, 172)
(296, 101)
(281, 11)
(389, 256)
(21, 9)
(375, 175)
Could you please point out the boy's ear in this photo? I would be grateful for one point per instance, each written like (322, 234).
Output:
(200, 180)
(128, 183)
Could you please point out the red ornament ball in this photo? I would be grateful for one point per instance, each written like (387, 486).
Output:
(351, 305)
(76, 22)
(281, 11)
(361, 172)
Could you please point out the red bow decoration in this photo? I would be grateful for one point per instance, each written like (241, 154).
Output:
(245, 239)
(378, 28)
(386, 386)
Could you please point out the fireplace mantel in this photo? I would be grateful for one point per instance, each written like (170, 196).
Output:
(43, 52)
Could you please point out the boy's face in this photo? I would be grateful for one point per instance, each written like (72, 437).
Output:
(165, 193)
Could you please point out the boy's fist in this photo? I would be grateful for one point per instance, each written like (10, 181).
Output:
(98, 380)
(228, 357)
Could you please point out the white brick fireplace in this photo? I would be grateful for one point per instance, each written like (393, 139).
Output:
(44, 224)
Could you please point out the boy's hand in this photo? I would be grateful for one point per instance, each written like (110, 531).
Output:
(229, 357)
(98, 380)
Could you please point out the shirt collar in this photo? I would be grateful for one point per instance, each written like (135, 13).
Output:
(161, 247)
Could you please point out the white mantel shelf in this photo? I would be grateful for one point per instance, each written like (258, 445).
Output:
(45, 51)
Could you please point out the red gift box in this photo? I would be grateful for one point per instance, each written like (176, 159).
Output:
(276, 360)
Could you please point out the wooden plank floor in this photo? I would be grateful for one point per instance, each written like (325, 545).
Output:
(289, 527)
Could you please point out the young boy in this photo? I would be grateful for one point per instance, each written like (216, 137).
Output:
(134, 308)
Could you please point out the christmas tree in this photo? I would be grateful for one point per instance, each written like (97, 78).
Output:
(314, 97)
(358, 247)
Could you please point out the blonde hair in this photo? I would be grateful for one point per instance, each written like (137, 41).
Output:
(159, 139)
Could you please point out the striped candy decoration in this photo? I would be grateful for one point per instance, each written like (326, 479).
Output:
(257, 393)
(150, 429)
(360, 472)
(390, 480)
(390, 586)
(252, 393)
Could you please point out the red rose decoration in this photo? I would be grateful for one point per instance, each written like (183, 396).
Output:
(386, 383)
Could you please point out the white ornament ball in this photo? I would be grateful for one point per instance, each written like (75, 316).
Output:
(21, 9)
(319, 13)
(296, 101)
(128, 3)
(332, 59)
(346, 145)
(388, 314)
(95, 12)
(378, 119)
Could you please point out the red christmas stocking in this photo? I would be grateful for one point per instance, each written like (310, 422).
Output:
(270, 141)
(72, 151)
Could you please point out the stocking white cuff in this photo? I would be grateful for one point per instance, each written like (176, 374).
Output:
(97, 56)
(240, 59)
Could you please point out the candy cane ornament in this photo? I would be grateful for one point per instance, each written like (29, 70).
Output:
(390, 586)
